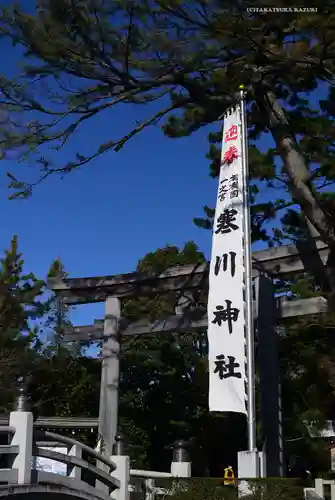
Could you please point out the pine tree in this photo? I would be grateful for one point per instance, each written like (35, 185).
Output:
(195, 53)
(20, 307)
(65, 384)
(58, 312)
(20, 296)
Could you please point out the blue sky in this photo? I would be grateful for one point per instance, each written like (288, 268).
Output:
(104, 218)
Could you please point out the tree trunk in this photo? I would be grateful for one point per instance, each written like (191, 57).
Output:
(298, 174)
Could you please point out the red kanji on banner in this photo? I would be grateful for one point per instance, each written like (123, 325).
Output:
(231, 133)
(230, 155)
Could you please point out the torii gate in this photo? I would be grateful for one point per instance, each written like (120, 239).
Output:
(183, 279)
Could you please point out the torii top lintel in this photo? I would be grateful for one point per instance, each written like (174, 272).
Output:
(273, 261)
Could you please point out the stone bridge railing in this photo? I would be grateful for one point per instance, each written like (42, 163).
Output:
(94, 477)
(319, 492)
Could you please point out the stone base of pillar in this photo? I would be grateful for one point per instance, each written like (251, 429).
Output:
(251, 465)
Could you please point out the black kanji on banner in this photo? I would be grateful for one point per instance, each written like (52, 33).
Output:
(225, 223)
(230, 314)
(225, 367)
(223, 260)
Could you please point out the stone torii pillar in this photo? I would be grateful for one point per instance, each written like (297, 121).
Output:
(110, 368)
(269, 373)
(110, 374)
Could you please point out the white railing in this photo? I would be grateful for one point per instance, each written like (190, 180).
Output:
(318, 492)
(150, 474)
(310, 494)
(112, 476)
(148, 485)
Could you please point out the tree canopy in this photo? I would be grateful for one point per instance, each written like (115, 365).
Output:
(164, 377)
(60, 382)
(20, 304)
(87, 57)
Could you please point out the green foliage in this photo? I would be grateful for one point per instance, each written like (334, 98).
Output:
(20, 304)
(71, 382)
(164, 380)
(307, 367)
(19, 294)
(60, 382)
(64, 385)
(57, 312)
(213, 488)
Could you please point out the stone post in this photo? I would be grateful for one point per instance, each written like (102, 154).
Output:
(122, 472)
(180, 465)
(22, 421)
(110, 372)
(149, 489)
(75, 472)
(109, 385)
(319, 487)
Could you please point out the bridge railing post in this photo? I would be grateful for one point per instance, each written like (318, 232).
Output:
(75, 472)
(122, 472)
(319, 487)
(149, 489)
(22, 421)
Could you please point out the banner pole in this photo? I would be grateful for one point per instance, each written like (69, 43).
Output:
(248, 279)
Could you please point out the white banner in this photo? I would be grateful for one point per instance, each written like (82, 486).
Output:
(226, 314)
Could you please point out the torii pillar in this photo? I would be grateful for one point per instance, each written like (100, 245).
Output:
(110, 374)
(269, 377)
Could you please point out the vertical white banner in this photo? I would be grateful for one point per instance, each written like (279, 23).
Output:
(226, 309)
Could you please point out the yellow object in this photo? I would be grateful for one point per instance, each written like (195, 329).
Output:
(229, 476)
(241, 87)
